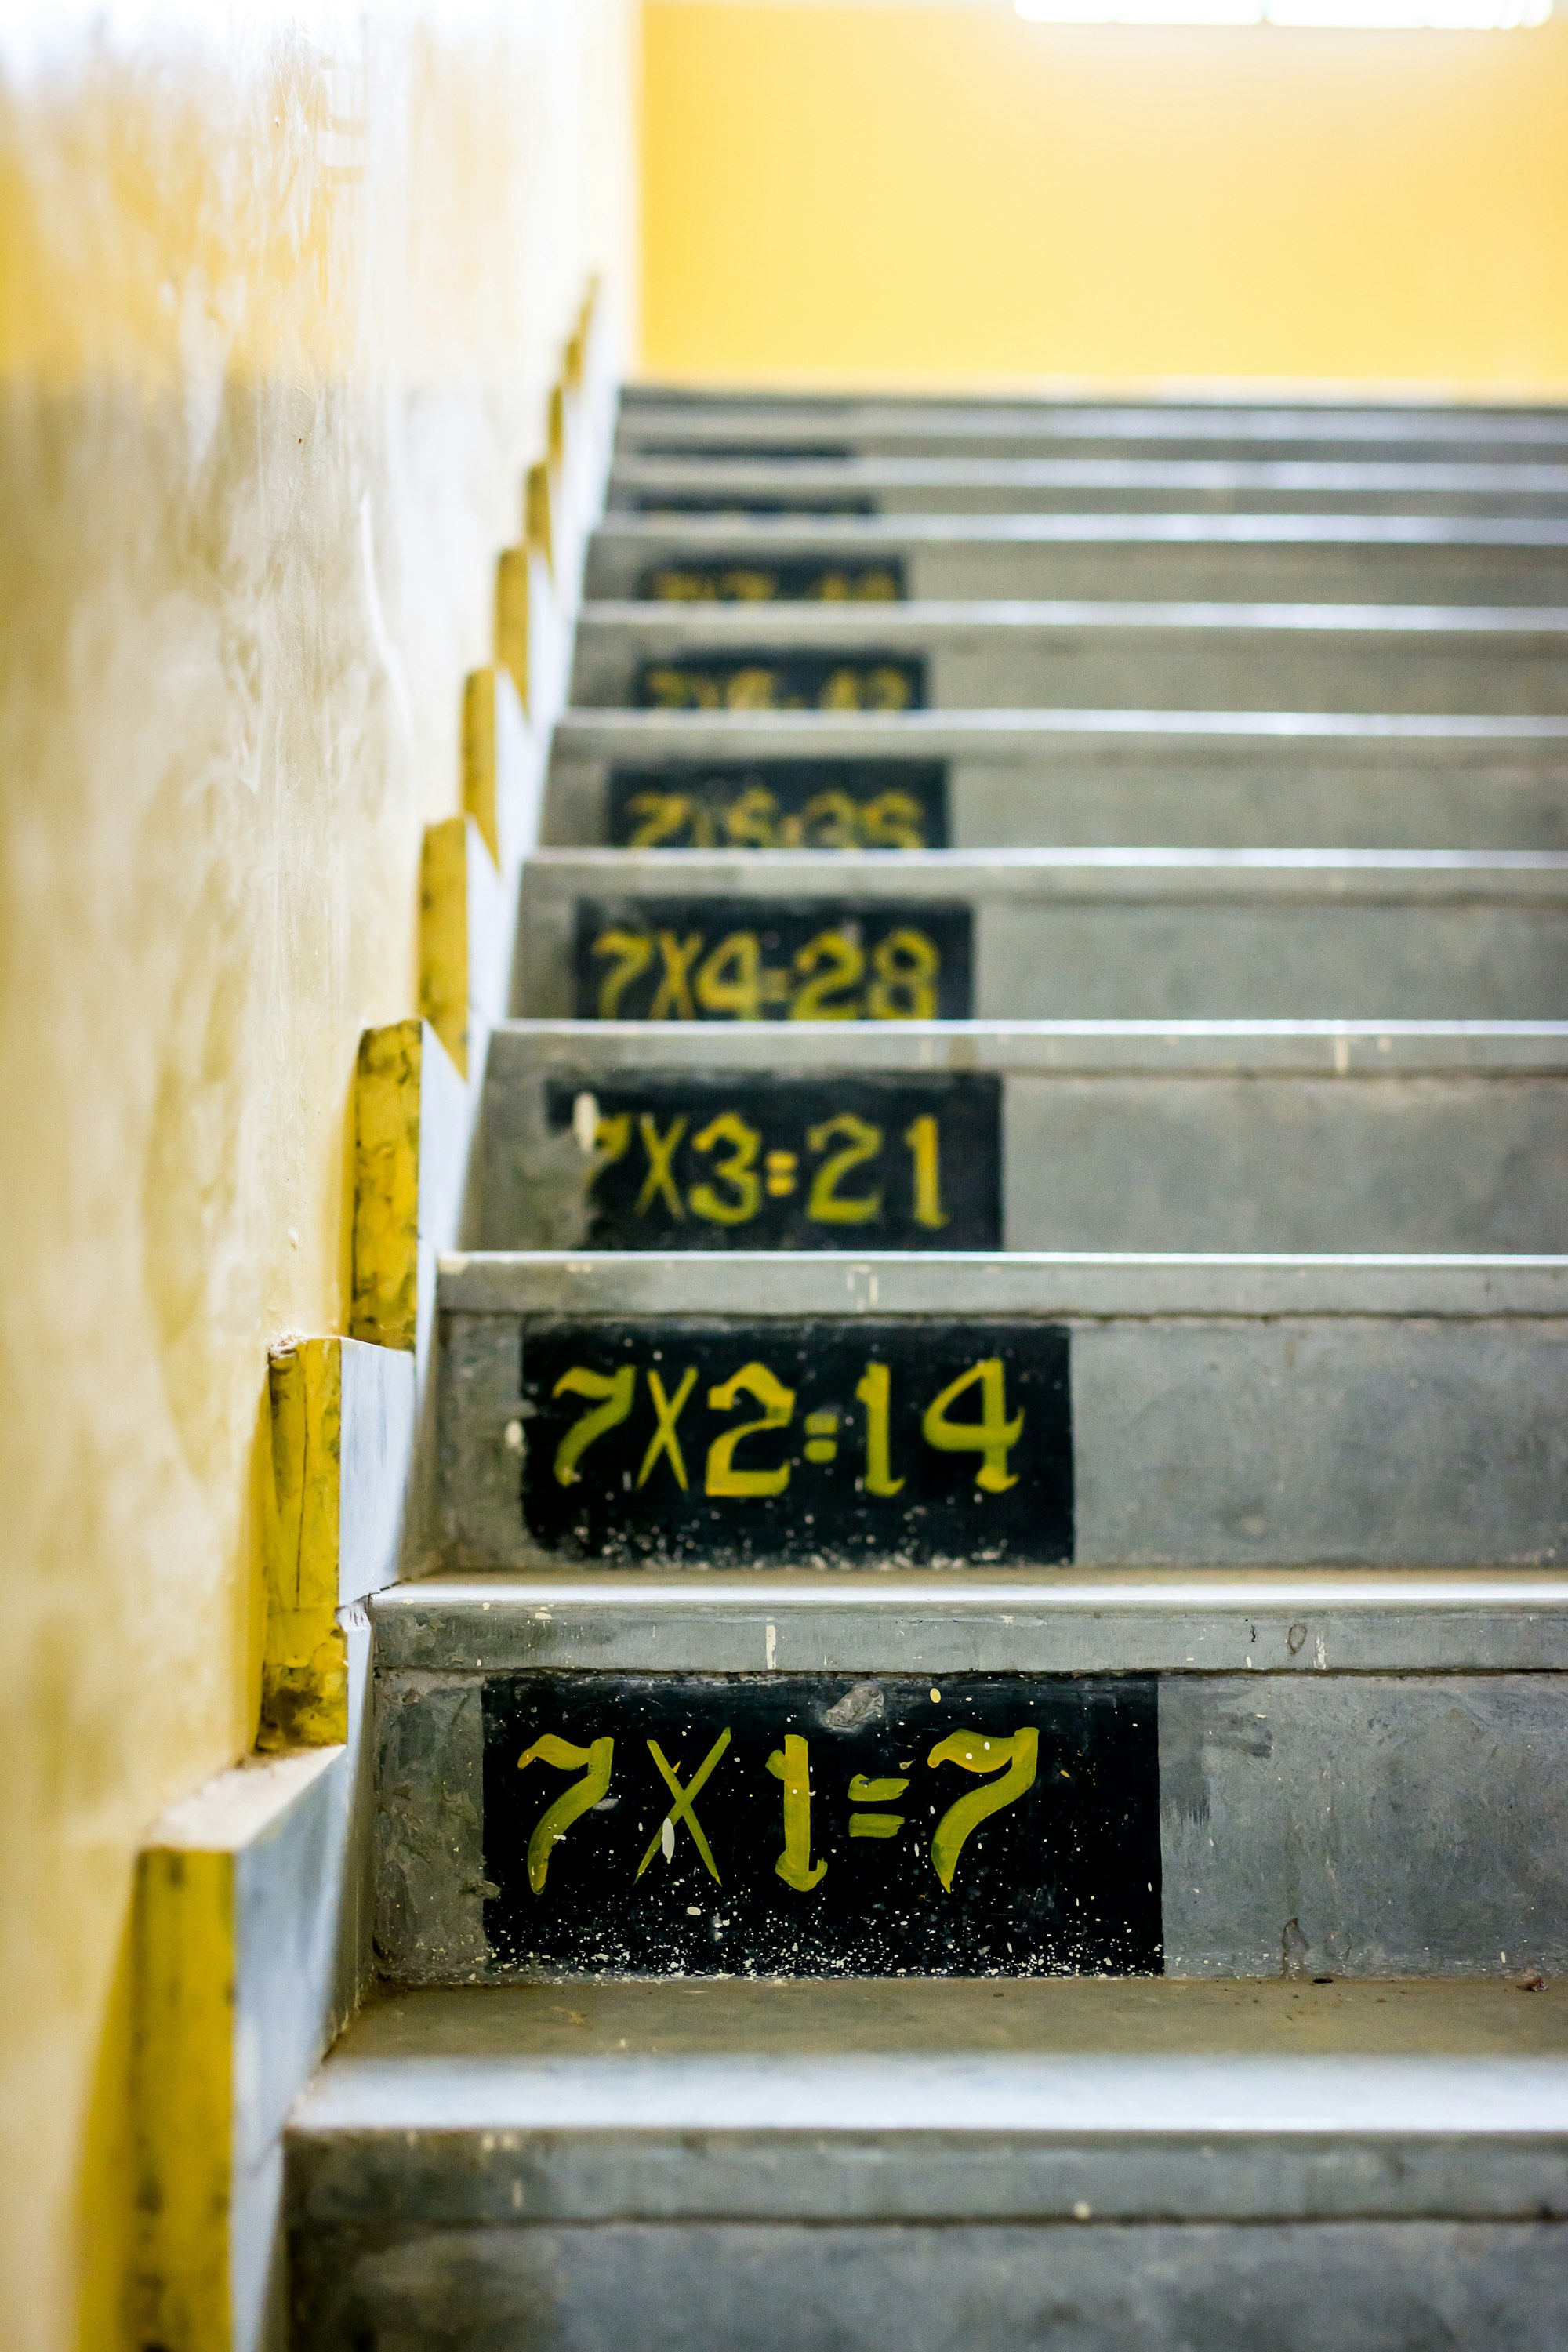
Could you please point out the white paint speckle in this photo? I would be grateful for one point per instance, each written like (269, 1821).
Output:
(770, 1646)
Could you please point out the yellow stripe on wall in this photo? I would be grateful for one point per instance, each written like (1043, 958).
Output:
(932, 196)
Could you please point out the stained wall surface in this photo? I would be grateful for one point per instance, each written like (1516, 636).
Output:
(923, 195)
(281, 292)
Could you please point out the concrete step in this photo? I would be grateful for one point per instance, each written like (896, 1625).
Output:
(1143, 428)
(1353, 1775)
(1027, 1136)
(1084, 486)
(1022, 656)
(1373, 935)
(982, 779)
(1300, 559)
(1143, 1409)
(926, 2167)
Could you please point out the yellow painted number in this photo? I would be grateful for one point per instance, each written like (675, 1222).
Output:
(751, 821)
(924, 1140)
(906, 964)
(893, 821)
(572, 1804)
(875, 1392)
(838, 964)
(778, 1403)
(670, 816)
(611, 1141)
(830, 820)
(973, 1753)
(738, 1171)
(993, 1436)
(825, 1203)
(794, 1865)
(729, 984)
(633, 953)
(617, 1390)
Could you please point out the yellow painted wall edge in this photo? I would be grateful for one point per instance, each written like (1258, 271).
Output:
(219, 1891)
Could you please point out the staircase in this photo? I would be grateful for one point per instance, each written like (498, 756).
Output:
(984, 1767)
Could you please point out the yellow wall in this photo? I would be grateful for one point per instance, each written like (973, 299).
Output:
(279, 306)
(926, 195)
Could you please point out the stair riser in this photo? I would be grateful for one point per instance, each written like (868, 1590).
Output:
(1119, 486)
(1365, 2287)
(1239, 573)
(1369, 433)
(1346, 441)
(1249, 1161)
(1289, 794)
(1082, 666)
(1311, 1823)
(1364, 1437)
(1070, 946)
(465, 2177)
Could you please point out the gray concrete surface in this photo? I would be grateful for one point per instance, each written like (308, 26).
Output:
(1198, 779)
(1213, 1622)
(1078, 2165)
(1318, 1824)
(921, 424)
(1307, 1136)
(1144, 934)
(1119, 485)
(1224, 1411)
(1303, 559)
(1019, 653)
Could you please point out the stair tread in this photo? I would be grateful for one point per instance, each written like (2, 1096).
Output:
(1440, 732)
(879, 532)
(1031, 1282)
(786, 1620)
(1529, 477)
(1061, 871)
(1313, 1048)
(1125, 2056)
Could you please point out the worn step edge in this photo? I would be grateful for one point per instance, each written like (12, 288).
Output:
(1366, 1049)
(1042, 1282)
(1347, 477)
(437, 2109)
(995, 875)
(879, 533)
(1398, 628)
(857, 1621)
(1001, 733)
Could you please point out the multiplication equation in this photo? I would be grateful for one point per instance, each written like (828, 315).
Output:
(707, 1160)
(1004, 1825)
(731, 501)
(781, 804)
(769, 960)
(692, 1438)
(757, 580)
(763, 681)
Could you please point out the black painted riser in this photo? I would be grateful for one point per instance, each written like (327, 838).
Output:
(971, 1825)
